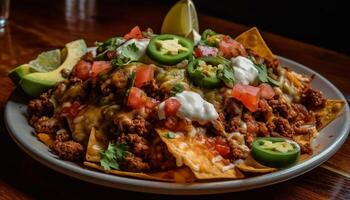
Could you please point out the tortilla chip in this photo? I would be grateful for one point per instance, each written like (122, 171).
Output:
(191, 152)
(251, 165)
(251, 39)
(97, 141)
(179, 175)
(327, 114)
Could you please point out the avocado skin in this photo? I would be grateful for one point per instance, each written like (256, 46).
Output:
(35, 83)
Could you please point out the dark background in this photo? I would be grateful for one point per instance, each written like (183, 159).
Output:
(322, 23)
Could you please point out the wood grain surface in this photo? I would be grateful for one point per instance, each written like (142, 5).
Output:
(36, 26)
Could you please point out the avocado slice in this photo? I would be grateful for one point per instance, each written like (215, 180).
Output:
(17, 74)
(35, 83)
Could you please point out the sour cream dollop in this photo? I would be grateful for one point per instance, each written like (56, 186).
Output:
(141, 45)
(193, 107)
(245, 71)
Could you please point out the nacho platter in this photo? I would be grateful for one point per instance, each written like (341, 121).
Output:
(182, 145)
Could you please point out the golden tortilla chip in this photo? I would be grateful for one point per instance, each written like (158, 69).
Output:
(251, 165)
(191, 152)
(327, 114)
(97, 141)
(179, 175)
(251, 39)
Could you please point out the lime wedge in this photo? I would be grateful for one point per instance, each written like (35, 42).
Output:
(181, 19)
(46, 61)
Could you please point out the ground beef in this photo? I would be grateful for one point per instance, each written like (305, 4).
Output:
(161, 158)
(283, 127)
(139, 126)
(299, 113)
(133, 163)
(312, 99)
(40, 107)
(299, 129)
(264, 111)
(120, 80)
(62, 135)
(138, 145)
(279, 107)
(232, 108)
(46, 125)
(89, 57)
(238, 153)
(306, 149)
(69, 150)
(151, 89)
(233, 125)
(263, 130)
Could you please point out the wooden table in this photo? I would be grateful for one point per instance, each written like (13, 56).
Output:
(36, 26)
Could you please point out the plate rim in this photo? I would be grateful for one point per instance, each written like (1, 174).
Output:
(216, 187)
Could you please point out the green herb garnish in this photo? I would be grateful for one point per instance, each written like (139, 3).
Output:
(170, 135)
(114, 154)
(177, 88)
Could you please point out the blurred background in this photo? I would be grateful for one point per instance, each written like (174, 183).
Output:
(322, 23)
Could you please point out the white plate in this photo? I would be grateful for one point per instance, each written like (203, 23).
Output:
(327, 142)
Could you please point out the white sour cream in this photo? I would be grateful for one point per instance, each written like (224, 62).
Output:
(193, 107)
(141, 44)
(245, 71)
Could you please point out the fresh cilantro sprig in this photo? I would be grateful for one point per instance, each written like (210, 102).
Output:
(114, 154)
(109, 45)
(263, 75)
(127, 54)
(227, 76)
(177, 88)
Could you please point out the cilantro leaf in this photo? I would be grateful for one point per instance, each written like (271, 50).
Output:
(130, 51)
(262, 73)
(170, 135)
(177, 88)
(114, 154)
(227, 76)
(127, 54)
(109, 45)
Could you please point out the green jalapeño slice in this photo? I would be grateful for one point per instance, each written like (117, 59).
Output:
(169, 49)
(206, 71)
(275, 152)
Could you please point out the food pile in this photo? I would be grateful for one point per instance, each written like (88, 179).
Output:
(164, 107)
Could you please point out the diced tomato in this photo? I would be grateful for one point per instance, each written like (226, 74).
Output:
(135, 33)
(223, 150)
(99, 66)
(82, 70)
(221, 147)
(248, 95)
(171, 106)
(72, 110)
(137, 98)
(201, 51)
(143, 74)
(267, 91)
(231, 48)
